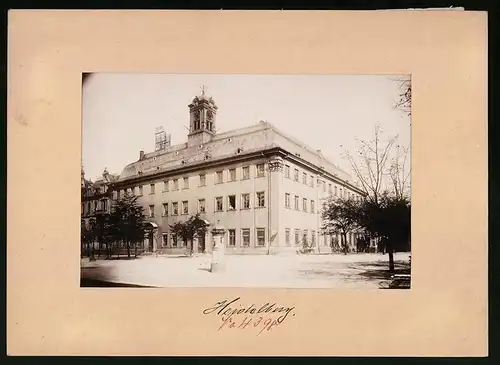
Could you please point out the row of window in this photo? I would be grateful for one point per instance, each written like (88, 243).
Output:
(296, 203)
(172, 185)
(332, 189)
(219, 206)
(95, 205)
(260, 238)
(299, 237)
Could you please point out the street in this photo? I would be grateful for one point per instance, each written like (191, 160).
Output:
(256, 271)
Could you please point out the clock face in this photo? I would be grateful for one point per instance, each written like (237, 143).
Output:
(197, 115)
(209, 115)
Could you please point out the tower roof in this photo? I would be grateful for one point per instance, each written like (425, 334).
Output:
(203, 97)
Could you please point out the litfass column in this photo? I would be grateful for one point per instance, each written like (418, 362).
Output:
(218, 250)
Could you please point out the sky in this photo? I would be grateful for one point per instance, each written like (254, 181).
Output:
(328, 112)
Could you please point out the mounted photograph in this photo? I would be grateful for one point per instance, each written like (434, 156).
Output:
(239, 180)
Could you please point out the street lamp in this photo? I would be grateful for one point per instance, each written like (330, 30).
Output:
(219, 248)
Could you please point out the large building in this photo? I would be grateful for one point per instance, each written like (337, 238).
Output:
(263, 186)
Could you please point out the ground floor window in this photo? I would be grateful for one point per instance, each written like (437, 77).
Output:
(297, 237)
(261, 237)
(313, 238)
(174, 240)
(287, 237)
(232, 237)
(165, 240)
(245, 237)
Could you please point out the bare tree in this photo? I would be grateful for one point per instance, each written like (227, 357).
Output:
(370, 164)
(399, 173)
(404, 101)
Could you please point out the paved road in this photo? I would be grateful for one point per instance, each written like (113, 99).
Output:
(296, 271)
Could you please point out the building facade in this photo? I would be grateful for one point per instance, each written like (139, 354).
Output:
(96, 196)
(263, 186)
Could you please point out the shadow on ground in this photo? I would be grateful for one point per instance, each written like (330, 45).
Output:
(94, 283)
(380, 270)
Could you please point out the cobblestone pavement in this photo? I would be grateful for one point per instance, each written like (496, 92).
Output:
(296, 271)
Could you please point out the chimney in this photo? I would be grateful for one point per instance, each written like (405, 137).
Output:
(141, 155)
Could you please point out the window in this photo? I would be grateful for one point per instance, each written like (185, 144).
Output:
(297, 237)
(203, 180)
(201, 205)
(245, 201)
(152, 188)
(245, 237)
(287, 171)
(104, 205)
(151, 211)
(304, 204)
(296, 202)
(245, 171)
(140, 190)
(165, 209)
(261, 237)
(311, 181)
(324, 186)
(232, 174)
(330, 188)
(304, 178)
(312, 207)
(287, 237)
(218, 177)
(131, 190)
(287, 200)
(260, 170)
(335, 190)
(175, 208)
(304, 235)
(165, 239)
(296, 174)
(176, 184)
(186, 182)
(165, 185)
(260, 199)
(341, 195)
(174, 240)
(185, 207)
(313, 238)
(218, 204)
(232, 237)
(231, 202)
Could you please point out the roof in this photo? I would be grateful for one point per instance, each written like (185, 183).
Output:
(260, 136)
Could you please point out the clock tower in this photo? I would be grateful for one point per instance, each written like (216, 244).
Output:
(202, 111)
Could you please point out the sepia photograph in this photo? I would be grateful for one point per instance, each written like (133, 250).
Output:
(239, 180)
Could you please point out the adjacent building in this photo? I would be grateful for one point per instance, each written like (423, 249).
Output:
(263, 186)
(97, 195)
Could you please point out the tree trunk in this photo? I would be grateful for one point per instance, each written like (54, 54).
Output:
(128, 249)
(344, 244)
(391, 256)
(135, 249)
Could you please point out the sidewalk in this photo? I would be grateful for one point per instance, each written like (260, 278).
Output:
(301, 271)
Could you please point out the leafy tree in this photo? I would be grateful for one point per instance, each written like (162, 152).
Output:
(103, 232)
(189, 229)
(388, 219)
(340, 216)
(87, 237)
(127, 222)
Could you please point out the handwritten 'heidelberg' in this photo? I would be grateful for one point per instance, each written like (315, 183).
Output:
(224, 309)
